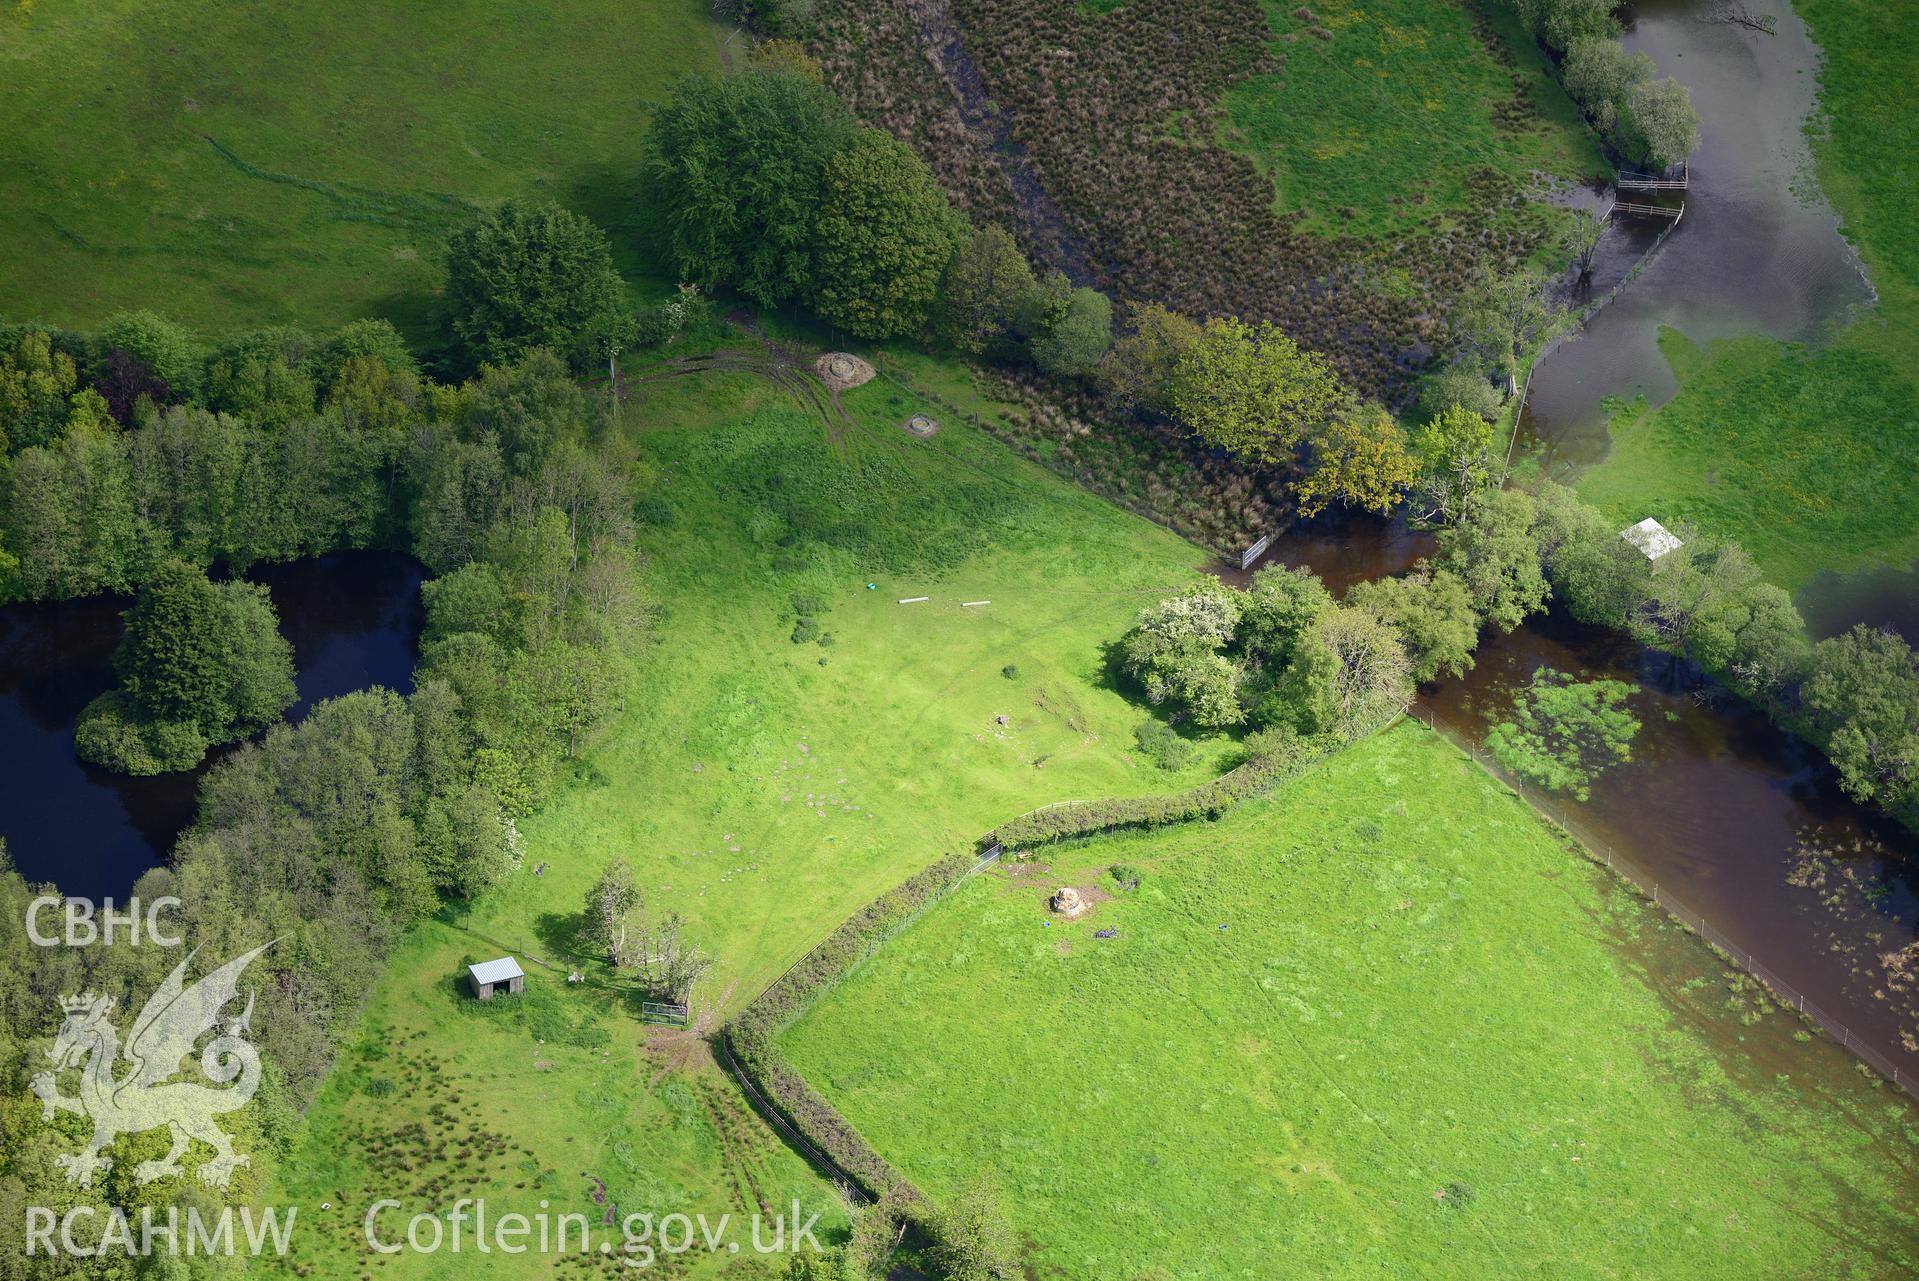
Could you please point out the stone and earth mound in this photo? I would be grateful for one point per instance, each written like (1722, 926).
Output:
(842, 370)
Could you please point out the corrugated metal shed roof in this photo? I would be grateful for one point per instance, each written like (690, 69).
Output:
(496, 971)
(1651, 538)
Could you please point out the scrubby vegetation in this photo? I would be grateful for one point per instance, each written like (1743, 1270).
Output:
(1137, 100)
(805, 565)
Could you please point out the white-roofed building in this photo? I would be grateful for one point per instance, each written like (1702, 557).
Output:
(489, 977)
(1654, 540)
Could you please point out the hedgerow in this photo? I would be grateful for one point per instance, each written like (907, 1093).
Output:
(1269, 764)
(752, 1036)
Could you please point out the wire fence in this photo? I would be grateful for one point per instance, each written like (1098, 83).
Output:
(1648, 884)
(1592, 308)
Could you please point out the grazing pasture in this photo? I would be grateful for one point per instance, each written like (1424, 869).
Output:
(1804, 456)
(1385, 111)
(1806, 453)
(793, 744)
(305, 161)
(1381, 1022)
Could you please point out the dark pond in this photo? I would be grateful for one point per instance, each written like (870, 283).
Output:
(353, 619)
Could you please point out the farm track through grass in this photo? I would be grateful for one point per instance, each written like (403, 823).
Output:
(763, 788)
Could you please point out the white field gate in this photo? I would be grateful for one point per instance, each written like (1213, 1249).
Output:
(673, 1013)
(1258, 549)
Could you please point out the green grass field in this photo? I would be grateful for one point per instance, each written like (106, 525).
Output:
(1382, 1023)
(1389, 115)
(305, 161)
(1809, 458)
(763, 788)
(1806, 455)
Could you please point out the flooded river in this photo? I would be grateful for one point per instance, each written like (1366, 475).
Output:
(1737, 821)
(1757, 252)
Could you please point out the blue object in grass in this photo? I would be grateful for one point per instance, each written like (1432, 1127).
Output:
(872, 587)
(1222, 925)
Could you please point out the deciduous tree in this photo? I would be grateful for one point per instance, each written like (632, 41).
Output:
(1455, 462)
(1138, 372)
(1501, 315)
(1359, 459)
(984, 287)
(883, 239)
(1071, 342)
(1251, 390)
(1176, 654)
(735, 171)
(1662, 124)
(612, 909)
(1862, 702)
(1433, 613)
(1494, 552)
(533, 275)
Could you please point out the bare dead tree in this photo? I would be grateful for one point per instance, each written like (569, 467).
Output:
(1738, 15)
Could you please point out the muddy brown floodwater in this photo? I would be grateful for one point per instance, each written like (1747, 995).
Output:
(1742, 824)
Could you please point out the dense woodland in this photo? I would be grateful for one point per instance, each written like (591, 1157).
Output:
(141, 460)
(138, 461)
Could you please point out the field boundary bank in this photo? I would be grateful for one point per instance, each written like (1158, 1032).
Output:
(1785, 994)
(787, 1099)
(798, 1112)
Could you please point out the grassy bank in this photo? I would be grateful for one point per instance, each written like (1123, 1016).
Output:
(763, 787)
(1429, 1036)
(1806, 455)
(1385, 109)
(305, 161)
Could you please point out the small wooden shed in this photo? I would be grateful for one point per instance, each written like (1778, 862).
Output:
(490, 977)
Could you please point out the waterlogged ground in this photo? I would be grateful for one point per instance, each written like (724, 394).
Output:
(1382, 1021)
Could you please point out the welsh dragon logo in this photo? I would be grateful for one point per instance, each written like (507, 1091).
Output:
(144, 1097)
